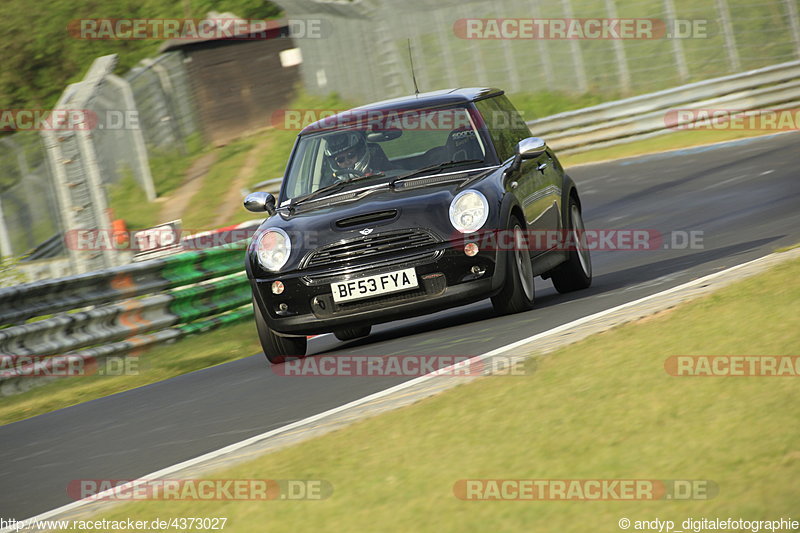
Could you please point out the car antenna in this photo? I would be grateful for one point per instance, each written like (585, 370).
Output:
(413, 76)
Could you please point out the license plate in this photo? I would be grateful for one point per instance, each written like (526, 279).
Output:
(367, 287)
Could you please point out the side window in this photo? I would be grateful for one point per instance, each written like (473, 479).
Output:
(505, 124)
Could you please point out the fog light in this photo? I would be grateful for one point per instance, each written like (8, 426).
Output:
(277, 287)
(477, 270)
(471, 249)
(283, 307)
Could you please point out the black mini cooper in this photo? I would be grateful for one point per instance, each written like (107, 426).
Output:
(408, 207)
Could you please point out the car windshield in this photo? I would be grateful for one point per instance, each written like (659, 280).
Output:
(378, 146)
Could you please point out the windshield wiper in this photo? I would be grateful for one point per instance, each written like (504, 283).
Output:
(333, 187)
(432, 168)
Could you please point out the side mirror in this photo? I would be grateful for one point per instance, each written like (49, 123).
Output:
(260, 202)
(529, 148)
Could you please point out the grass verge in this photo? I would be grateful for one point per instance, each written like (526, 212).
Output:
(603, 408)
(156, 364)
(670, 141)
(202, 210)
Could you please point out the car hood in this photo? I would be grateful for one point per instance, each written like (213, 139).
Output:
(418, 205)
(377, 210)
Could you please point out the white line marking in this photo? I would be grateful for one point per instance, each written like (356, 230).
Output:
(372, 397)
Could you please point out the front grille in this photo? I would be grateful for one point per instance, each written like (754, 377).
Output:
(370, 248)
(329, 275)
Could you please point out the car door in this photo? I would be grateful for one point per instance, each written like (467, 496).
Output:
(535, 184)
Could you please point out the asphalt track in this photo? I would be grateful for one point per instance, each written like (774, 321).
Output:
(743, 196)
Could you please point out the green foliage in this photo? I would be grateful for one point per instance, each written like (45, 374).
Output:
(273, 164)
(129, 202)
(40, 58)
(168, 167)
(544, 103)
(10, 274)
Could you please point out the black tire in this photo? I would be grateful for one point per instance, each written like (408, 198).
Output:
(348, 334)
(277, 348)
(518, 293)
(576, 273)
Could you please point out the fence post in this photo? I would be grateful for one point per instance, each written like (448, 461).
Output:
(727, 31)
(5, 241)
(791, 8)
(544, 53)
(677, 45)
(139, 147)
(81, 198)
(577, 55)
(444, 44)
(619, 51)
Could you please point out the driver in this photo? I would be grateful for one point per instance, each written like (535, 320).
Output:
(348, 151)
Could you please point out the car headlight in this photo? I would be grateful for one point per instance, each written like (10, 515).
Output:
(469, 211)
(273, 248)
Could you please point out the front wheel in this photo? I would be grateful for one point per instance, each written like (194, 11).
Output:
(276, 347)
(576, 272)
(517, 294)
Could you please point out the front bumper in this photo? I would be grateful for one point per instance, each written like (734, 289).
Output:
(445, 276)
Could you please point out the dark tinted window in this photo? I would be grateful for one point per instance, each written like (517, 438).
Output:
(506, 126)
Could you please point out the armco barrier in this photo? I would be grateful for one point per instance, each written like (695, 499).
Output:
(28, 300)
(645, 116)
(70, 331)
(119, 310)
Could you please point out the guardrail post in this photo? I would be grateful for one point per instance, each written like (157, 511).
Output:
(791, 8)
(619, 51)
(727, 31)
(577, 55)
(677, 45)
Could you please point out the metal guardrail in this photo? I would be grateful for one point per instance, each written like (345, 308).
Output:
(117, 310)
(646, 116)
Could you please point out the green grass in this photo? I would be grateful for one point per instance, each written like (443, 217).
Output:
(156, 364)
(169, 167)
(603, 408)
(533, 106)
(220, 177)
(273, 164)
(128, 201)
(670, 141)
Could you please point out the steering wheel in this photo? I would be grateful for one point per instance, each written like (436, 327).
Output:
(339, 174)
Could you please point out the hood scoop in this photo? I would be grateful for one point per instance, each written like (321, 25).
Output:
(367, 218)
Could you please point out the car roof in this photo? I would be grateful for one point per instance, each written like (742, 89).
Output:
(431, 99)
